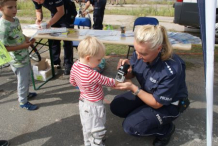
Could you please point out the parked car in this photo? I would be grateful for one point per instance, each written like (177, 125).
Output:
(186, 13)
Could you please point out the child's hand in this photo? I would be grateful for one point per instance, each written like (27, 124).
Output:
(27, 44)
(124, 86)
(32, 41)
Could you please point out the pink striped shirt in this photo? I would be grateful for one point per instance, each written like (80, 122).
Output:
(89, 82)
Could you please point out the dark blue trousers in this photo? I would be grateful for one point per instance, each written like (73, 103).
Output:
(56, 48)
(98, 14)
(142, 120)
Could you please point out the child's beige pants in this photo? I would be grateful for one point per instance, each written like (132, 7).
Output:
(93, 118)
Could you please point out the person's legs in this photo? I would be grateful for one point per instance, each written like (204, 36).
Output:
(68, 56)
(145, 121)
(85, 119)
(124, 104)
(93, 118)
(56, 51)
(56, 48)
(23, 81)
(68, 50)
(98, 14)
(164, 140)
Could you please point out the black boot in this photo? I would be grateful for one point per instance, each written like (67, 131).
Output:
(4, 143)
(67, 70)
(163, 141)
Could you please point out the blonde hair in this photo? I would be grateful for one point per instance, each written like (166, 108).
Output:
(90, 46)
(3, 1)
(156, 36)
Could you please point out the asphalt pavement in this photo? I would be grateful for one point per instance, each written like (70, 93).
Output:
(57, 121)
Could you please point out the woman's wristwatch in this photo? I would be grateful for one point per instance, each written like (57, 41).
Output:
(137, 92)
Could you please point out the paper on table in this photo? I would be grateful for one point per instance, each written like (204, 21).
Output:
(52, 30)
(109, 38)
(98, 33)
(33, 26)
(103, 33)
(129, 34)
(83, 32)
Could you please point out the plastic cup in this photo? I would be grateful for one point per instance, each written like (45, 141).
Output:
(123, 30)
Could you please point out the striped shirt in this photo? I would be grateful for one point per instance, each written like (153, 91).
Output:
(89, 82)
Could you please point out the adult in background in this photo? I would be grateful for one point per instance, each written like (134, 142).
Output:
(150, 108)
(98, 12)
(63, 13)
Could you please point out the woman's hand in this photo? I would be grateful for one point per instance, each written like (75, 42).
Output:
(127, 85)
(122, 62)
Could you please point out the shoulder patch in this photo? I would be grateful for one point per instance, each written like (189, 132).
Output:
(169, 68)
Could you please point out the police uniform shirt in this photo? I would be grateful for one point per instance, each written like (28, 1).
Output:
(165, 80)
(52, 5)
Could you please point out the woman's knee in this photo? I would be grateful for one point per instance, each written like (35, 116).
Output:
(141, 122)
(124, 104)
(131, 127)
(117, 108)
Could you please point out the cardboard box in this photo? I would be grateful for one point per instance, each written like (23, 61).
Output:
(42, 70)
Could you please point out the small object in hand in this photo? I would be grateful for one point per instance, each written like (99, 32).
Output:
(122, 71)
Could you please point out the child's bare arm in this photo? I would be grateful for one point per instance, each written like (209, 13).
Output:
(28, 39)
(116, 82)
(25, 45)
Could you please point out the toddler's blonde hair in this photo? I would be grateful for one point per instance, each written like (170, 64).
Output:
(90, 46)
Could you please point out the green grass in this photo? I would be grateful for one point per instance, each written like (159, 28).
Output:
(165, 2)
(119, 50)
(197, 52)
(26, 10)
(142, 11)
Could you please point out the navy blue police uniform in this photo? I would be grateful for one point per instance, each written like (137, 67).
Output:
(98, 13)
(65, 21)
(165, 80)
